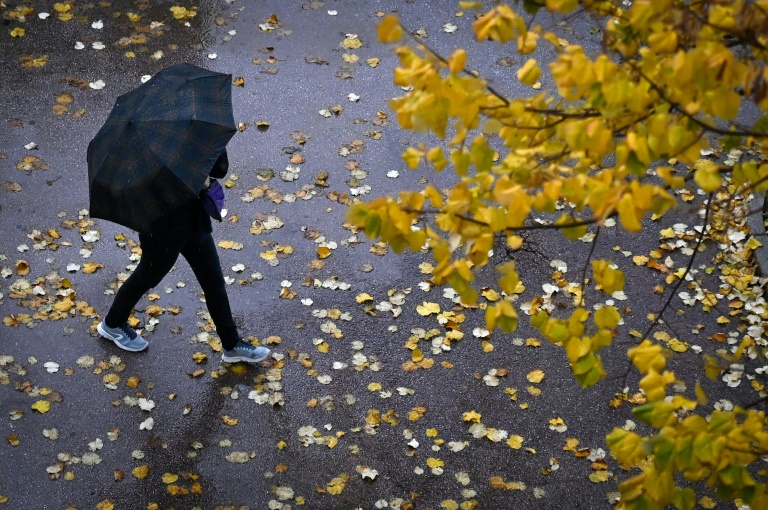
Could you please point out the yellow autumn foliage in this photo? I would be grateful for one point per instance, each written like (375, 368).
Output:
(621, 136)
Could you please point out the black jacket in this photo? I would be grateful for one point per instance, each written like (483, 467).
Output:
(190, 219)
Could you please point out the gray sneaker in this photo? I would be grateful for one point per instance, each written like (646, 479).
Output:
(123, 336)
(244, 351)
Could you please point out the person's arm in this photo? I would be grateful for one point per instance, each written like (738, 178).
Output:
(221, 166)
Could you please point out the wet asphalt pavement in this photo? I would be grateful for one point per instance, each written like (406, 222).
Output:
(336, 400)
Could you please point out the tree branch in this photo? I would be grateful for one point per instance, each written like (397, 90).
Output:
(687, 268)
(442, 59)
(586, 266)
(742, 38)
(538, 226)
(677, 107)
(679, 282)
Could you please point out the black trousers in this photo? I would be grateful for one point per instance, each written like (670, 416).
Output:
(157, 258)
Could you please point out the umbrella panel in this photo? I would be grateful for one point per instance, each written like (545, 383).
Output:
(133, 188)
(189, 148)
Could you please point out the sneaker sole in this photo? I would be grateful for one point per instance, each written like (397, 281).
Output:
(235, 359)
(114, 340)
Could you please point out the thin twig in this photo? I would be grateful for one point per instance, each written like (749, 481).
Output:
(748, 214)
(687, 268)
(566, 115)
(679, 282)
(756, 402)
(442, 59)
(586, 266)
(677, 107)
(742, 38)
(541, 226)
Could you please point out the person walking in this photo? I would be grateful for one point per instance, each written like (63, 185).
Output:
(149, 168)
(185, 231)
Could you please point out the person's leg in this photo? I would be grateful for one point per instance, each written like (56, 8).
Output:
(157, 259)
(204, 260)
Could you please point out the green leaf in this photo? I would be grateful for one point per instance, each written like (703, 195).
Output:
(482, 155)
(626, 446)
(684, 499)
(466, 292)
(635, 164)
(731, 142)
(761, 126)
(684, 453)
(460, 160)
(502, 315)
(663, 451)
(584, 364)
(593, 376)
(572, 233)
(373, 225)
(532, 6)
(657, 414)
(539, 320)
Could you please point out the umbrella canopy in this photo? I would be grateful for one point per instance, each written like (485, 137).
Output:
(158, 145)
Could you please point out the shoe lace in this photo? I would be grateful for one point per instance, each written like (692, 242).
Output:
(248, 347)
(129, 332)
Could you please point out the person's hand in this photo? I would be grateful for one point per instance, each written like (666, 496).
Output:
(207, 183)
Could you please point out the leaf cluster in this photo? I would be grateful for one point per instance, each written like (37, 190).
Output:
(616, 136)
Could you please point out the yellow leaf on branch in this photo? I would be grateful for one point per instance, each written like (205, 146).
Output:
(610, 278)
(389, 30)
(529, 73)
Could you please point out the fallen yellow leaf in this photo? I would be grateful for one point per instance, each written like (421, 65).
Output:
(428, 308)
(434, 463)
(105, 505)
(140, 472)
(352, 43)
(42, 406)
(175, 490)
(111, 379)
(169, 478)
(363, 297)
(472, 416)
(337, 485)
(229, 421)
(91, 267)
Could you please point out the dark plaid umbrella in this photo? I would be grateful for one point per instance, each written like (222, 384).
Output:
(158, 144)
